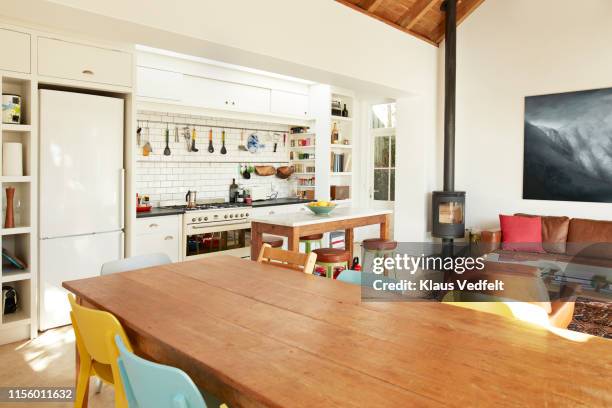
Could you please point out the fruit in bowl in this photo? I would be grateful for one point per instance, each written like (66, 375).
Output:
(321, 207)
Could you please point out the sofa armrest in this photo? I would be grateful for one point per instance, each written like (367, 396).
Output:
(490, 240)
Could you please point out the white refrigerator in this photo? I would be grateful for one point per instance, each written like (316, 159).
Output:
(81, 194)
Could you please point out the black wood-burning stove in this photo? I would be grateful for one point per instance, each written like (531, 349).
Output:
(448, 206)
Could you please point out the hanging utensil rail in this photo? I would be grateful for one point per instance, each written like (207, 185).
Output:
(213, 126)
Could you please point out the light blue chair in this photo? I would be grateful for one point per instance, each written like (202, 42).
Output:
(350, 276)
(152, 385)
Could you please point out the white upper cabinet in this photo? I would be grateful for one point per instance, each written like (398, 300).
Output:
(68, 60)
(289, 103)
(159, 84)
(211, 93)
(15, 51)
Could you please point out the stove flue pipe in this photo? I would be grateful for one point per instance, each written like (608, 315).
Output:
(450, 86)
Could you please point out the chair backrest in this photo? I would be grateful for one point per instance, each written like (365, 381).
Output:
(96, 330)
(350, 276)
(152, 385)
(287, 259)
(135, 262)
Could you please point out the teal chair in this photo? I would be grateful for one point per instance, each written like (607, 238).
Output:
(151, 385)
(350, 276)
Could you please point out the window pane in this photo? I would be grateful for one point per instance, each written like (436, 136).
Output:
(392, 151)
(383, 116)
(381, 184)
(381, 152)
(392, 188)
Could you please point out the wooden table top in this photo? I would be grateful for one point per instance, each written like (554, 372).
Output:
(257, 335)
(302, 218)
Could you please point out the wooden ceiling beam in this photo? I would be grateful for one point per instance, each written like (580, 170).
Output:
(371, 5)
(392, 24)
(415, 13)
(464, 9)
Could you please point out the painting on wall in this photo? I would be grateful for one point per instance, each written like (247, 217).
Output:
(568, 146)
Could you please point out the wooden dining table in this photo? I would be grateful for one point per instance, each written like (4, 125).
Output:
(257, 335)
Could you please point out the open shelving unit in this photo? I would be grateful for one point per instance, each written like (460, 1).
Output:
(341, 155)
(302, 157)
(20, 242)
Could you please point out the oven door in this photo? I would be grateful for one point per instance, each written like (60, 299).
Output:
(207, 240)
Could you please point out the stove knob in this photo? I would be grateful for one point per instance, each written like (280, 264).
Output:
(200, 219)
(231, 215)
(241, 215)
(193, 220)
(225, 216)
(205, 218)
(247, 214)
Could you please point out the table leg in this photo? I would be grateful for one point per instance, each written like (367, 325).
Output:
(294, 240)
(384, 227)
(256, 240)
(349, 239)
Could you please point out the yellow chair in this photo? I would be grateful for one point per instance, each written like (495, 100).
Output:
(287, 259)
(95, 332)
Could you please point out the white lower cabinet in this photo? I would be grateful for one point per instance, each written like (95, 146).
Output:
(158, 234)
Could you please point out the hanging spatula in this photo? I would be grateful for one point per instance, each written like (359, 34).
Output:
(223, 149)
(193, 140)
(167, 149)
(211, 149)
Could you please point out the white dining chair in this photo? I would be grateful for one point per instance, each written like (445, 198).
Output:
(135, 262)
(130, 264)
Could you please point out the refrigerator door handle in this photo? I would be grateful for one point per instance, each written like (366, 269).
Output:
(122, 197)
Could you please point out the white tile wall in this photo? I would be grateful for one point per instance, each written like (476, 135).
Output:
(166, 179)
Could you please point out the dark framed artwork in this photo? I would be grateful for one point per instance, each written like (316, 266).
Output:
(568, 146)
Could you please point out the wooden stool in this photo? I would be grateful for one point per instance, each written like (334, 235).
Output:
(378, 248)
(273, 241)
(308, 240)
(331, 258)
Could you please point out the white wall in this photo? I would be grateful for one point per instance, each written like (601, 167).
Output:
(508, 50)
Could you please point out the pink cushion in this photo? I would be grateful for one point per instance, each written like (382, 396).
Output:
(521, 233)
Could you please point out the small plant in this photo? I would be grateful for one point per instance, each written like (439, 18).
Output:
(599, 282)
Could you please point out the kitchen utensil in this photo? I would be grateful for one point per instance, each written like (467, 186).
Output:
(187, 137)
(147, 148)
(265, 170)
(284, 172)
(167, 149)
(11, 109)
(246, 173)
(284, 139)
(9, 220)
(242, 146)
(321, 210)
(193, 141)
(138, 132)
(211, 149)
(223, 149)
(176, 134)
(143, 208)
(190, 198)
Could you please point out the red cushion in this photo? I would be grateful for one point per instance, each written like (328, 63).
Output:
(521, 233)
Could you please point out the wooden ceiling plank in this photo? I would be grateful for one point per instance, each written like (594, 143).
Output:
(464, 9)
(415, 13)
(371, 5)
(392, 24)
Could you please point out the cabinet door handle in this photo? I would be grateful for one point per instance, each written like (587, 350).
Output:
(272, 212)
(233, 103)
(226, 102)
(87, 72)
(169, 238)
(153, 225)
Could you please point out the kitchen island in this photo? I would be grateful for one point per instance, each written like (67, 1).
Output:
(295, 225)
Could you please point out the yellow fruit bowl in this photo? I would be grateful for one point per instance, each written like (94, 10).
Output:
(321, 207)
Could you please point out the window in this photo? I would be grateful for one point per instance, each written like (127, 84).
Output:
(383, 138)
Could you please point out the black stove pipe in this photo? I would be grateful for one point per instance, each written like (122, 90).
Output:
(450, 85)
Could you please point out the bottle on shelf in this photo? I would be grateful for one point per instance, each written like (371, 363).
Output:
(345, 112)
(335, 134)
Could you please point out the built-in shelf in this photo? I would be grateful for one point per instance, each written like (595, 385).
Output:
(341, 146)
(13, 275)
(341, 118)
(302, 160)
(301, 134)
(17, 318)
(302, 147)
(341, 173)
(15, 179)
(15, 231)
(305, 187)
(304, 174)
(8, 127)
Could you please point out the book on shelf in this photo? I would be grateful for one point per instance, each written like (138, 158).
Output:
(337, 162)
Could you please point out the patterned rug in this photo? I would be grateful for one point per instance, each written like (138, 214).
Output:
(592, 317)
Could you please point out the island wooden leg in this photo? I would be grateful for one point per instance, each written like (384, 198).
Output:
(384, 227)
(294, 240)
(349, 239)
(256, 240)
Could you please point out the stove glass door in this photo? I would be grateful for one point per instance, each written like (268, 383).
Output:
(210, 242)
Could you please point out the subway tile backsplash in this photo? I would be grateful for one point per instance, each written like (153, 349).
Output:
(166, 179)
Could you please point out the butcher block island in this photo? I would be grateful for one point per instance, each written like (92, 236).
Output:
(295, 225)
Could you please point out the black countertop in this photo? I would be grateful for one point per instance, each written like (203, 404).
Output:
(160, 212)
(280, 201)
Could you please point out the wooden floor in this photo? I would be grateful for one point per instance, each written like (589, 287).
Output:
(46, 361)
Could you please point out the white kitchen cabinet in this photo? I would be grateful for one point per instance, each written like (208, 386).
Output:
(288, 103)
(15, 51)
(68, 60)
(211, 93)
(159, 84)
(158, 234)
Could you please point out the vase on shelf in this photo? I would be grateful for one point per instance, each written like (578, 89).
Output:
(9, 221)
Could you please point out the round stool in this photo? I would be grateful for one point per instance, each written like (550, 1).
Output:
(273, 241)
(377, 248)
(332, 258)
(308, 240)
